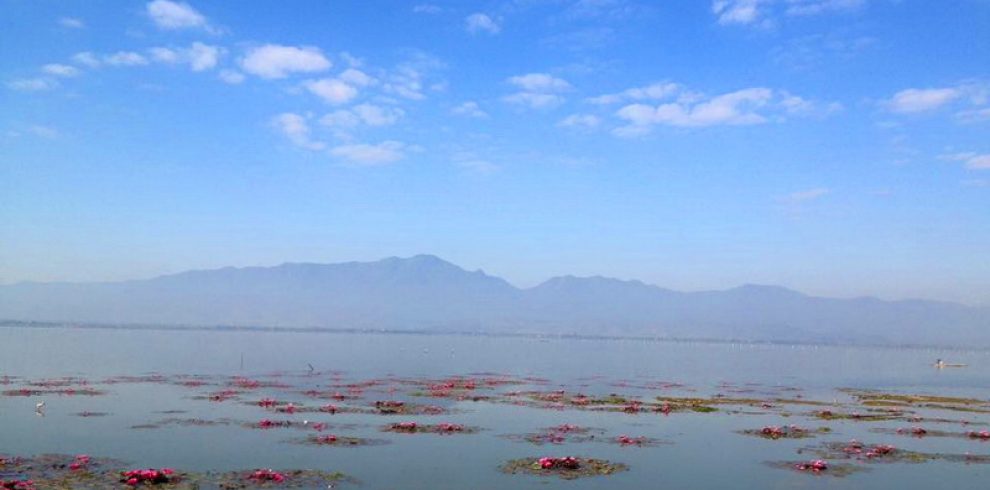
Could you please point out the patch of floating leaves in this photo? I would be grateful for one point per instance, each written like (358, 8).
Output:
(875, 453)
(557, 435)
(87, 413)
(567, 468)
(775, 432)
(267, 477)
(414, 428)
(83, 391)
(335, 440)
(188, 422)
(820, 467)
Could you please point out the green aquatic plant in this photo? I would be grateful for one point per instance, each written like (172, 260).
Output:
(567, 468)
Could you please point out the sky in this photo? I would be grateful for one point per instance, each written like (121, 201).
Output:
(837, 147)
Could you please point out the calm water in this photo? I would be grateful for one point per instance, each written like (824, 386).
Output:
(699, 450)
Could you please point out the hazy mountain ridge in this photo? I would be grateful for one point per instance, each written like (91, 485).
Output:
(426, 292)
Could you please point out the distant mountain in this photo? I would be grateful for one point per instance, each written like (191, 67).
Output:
(427, 293)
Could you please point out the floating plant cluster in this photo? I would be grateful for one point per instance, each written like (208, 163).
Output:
(567, 467)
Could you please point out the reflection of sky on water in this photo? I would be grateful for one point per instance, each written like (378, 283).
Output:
(705, 452)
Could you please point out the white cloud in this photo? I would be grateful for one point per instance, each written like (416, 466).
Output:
(125, 58)
(737, 11)
(86, 59)
(232, 77)
(538, 90)
(762, 12)
(586, 121)
(356, 77)
(203, 56)
(815, 7)
(407, 79)
(470, 109)
(373, 115)
(655, 91)
(60, 70)
(974, 115)
(971, 160)
(40, 131)
(806, 195)
(32, 84)
(296, 129)
(198, 56)
(276, 61)
(734, 108)
(540, 82)
(332, 90)
(915, 100)
(71, 23)
(478, 22)
(369, 154)
(367, 114)
(534, 100)
(164, 55)
(175, 15)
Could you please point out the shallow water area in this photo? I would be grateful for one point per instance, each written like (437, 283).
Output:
(192, 400)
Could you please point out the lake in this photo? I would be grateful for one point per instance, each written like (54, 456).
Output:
(694, 413)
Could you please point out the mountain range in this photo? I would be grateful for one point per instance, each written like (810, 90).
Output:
(427, 293)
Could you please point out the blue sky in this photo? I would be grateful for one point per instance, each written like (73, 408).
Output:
(838, 147)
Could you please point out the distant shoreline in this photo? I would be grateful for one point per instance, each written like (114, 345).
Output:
(427, 332)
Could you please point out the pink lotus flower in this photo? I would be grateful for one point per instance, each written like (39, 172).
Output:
(983, 434)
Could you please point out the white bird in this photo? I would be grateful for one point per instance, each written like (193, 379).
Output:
(40, 406)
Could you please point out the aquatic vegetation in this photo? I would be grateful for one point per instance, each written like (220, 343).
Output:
(335, 440)
(87, 413)
(188, 422)
(914, 431)
(442, 428)
(775, 432)
(266, 475)
(163, 476)
(982, 435)
(816, 466)
(856, 416)
(17, 484)
(641, 441)
(54, 392)
(567, 467)
(272, 424)
(875, 453)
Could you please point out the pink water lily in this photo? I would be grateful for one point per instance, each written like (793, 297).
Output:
(266, 475)
(149, 476)
(815, 466)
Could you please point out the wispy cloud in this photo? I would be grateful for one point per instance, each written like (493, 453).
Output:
(971, 160)
(469, 109)
(296, 128)
(481, 23)
(39, 84)
(804, 196)
(537, 90)
(371, 154)
(60, 70)
(71, 23)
